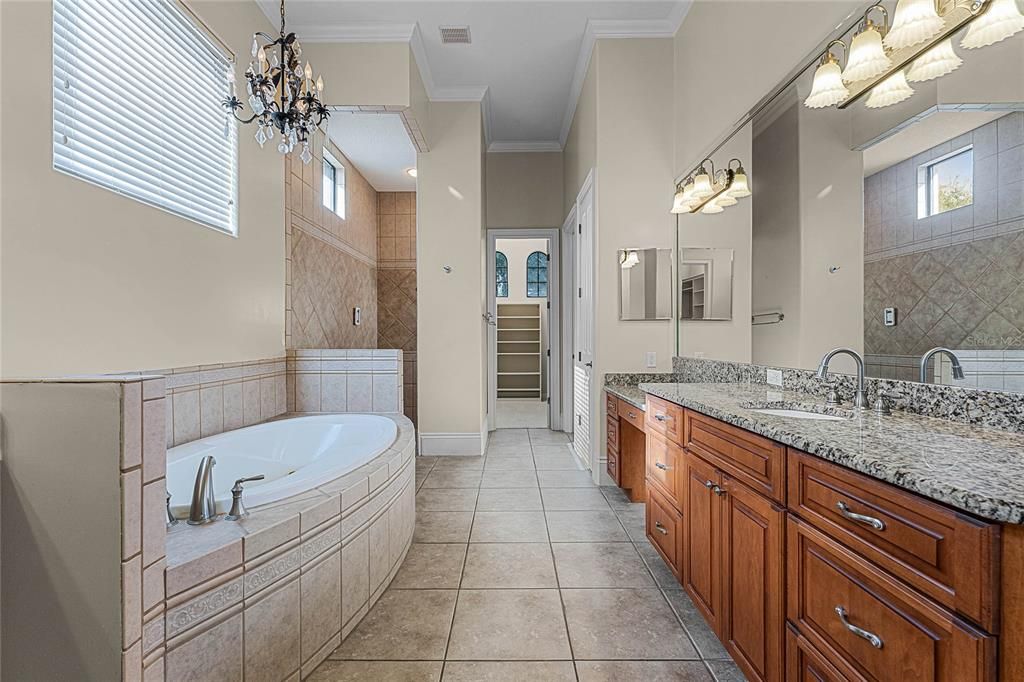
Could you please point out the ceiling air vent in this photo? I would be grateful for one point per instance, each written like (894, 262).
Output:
(455, 35)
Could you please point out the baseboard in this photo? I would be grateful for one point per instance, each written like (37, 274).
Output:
(460, 444)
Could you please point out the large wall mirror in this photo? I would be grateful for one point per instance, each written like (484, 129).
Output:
(896, 229)
(645, 284)
(705, 284)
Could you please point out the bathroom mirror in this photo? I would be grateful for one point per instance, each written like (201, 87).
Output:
(705, 284)
(892, 230)
(645, 284)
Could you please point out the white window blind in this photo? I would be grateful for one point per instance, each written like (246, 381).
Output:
(137, 92)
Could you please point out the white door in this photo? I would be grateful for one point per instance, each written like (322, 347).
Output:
(568, 305)
(583, 362)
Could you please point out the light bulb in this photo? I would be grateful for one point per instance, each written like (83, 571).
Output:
(936, 62)
(702, 185)
(915, 22)
(740, 187)
(711, 208)
(1001, 20)
(319, 84)
(308, 72)
(867, 57)
(827, 88)
(892, 90)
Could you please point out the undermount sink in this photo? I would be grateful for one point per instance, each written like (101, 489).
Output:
(801, 414)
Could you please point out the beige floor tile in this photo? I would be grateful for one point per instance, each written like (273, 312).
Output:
(509, 450)
(704, 639)
(377, 671)
(509, 671)
(459, 463)
(574, 499)
(446, 499)
(519, 463)
(564, 479)
(585, 526)
(403, 625)
(507, 565)
(600, 564)
(548, 451)
(624, 624)
(504, 436)
(564, 462)
(548, 437)
(509, 527)
(507, 625)
(443, 526)
(509, 499)
(431, 567)
(507, 479)
(726, 671)
(451, 478)
(657, 566)
(648, 671)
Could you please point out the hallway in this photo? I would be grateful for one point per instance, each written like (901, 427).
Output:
(522, 569)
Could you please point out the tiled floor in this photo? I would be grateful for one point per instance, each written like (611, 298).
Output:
(512, 413)
(522, 569)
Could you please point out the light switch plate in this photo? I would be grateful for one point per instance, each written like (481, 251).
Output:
(774, 377)
(652, 359)
(889, 317)
(357, 316)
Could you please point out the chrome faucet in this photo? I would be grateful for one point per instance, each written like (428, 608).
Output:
(958, 370)
(860, 398)
(204, 504)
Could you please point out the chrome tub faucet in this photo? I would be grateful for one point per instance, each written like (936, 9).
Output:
(204, 504)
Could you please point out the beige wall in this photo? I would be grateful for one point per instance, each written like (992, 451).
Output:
(579, 154)
(362, 73)
(332, 260)
(449, 225)
(96, 282)
(524, 189)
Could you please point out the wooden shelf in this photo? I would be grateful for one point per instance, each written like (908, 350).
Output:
(519, 350)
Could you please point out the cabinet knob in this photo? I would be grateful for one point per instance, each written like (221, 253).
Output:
(661, 417)
(718, 490)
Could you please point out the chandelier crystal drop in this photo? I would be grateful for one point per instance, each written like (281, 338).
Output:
(282, 93)
(915, 22)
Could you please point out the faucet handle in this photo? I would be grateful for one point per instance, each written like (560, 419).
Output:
(833, 398)
(238, 510)
(881, 405)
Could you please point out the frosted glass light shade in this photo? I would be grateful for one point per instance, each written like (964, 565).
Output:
(936, 62)
(867, 58)
(679, 202)
(915, 22)
(711, 208)
(1000, 21)
(827, 88)
(702, 186)
(892, 90)
(740, 187)
(725, 199)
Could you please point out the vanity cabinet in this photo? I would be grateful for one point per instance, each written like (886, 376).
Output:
(625, 447)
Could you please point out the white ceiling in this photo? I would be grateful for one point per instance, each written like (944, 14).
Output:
(526, 61)
(378, 146)
(923, 135)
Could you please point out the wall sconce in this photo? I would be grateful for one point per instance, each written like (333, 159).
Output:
(711, 192)
(882, 61)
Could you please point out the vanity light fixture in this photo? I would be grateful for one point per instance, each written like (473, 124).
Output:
(1000, 21)
(629, 259)
(882, 61)
(914, 22)
(411, 172)
(740, 185)
(867, 58)
(723, 188)
(702, 182)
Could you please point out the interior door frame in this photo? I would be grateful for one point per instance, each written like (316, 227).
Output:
(588, 190)
(568, 320)
(554, 299)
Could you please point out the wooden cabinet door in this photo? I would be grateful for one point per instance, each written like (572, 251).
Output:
(753, 569)
(702, 537)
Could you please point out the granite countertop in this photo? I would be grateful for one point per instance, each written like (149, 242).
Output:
(978, 470)
(631, 394)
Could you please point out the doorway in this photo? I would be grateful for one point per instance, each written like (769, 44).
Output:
(524, 329)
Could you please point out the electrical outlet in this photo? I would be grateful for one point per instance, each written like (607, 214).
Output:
(652, 359)
(774, 377)
(699, 354)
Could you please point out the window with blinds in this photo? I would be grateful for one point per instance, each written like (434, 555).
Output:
(137, 92)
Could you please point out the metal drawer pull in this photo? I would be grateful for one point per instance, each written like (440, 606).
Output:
(709, 485)
(877, 524)
(661, 417)
(718, 490)
(660, 528)
(875, 640)
(631, 415)
(661, 466)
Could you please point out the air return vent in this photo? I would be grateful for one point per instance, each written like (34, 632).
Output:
(455, 35)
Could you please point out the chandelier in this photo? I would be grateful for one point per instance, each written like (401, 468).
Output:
(282, 93)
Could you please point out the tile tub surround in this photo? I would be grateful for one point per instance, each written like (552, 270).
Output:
(975, 469)
(992, 409)
(287, 584)
(522, 600)
(339, 380)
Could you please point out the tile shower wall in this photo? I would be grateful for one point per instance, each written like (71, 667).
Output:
(331, 261)
(956, 279)
(356, 380)
(396, 284)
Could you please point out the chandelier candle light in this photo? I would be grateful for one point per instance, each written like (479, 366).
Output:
(282, 93)
(883, 60)
(709, 193)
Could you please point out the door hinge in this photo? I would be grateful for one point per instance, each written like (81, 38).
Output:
(580, 359)
(549, 305)
(580, 226)
(548, 352)
(581, 292)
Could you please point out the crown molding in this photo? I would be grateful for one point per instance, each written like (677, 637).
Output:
(524, 146)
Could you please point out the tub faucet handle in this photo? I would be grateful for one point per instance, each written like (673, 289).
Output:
(238, 510)
(171, 521)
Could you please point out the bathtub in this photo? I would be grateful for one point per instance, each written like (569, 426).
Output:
(295, 455)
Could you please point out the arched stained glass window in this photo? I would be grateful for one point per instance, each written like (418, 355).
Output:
(501, 275)
(537, 275)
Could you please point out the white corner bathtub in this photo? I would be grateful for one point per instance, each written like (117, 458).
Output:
(295, 455)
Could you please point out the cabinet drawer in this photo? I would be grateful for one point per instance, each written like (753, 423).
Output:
(665, 418)
(663, 462)
(613, 467)
(804, 663)
(613, 433)
(869, 624)
(755, 460)
(664, 529)
(634, 415)
(611, 404)
(950, 557)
